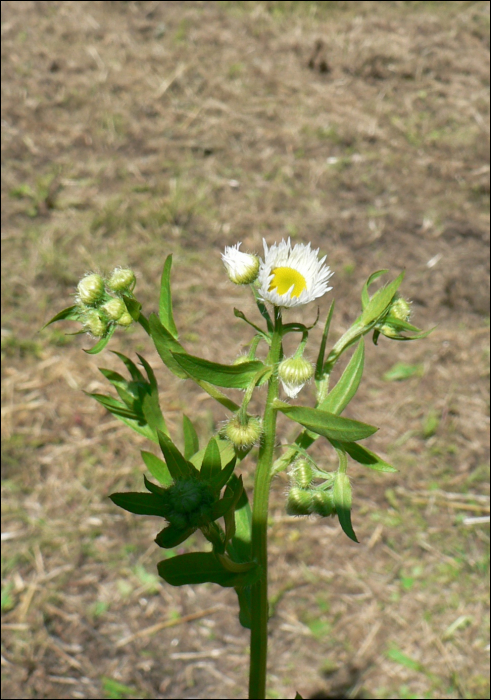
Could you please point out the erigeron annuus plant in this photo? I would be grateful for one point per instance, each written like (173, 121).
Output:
(198, 488)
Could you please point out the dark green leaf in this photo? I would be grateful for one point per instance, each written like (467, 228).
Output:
(347, 386)
(342, 502)
(298, 696)
(136, 375)
(178, 466)
(71, 313)
(139, 503)
(165, 302)
(203, 567)
(244, 594)
(228, 502)
(212, 464)
(322, 350)
(171, 536)
(191, 442)
(368, 459)
(219, 481)
(328, 424)
(231, 376)
(98, 347)
(157, 490)
(157, 468)
(150, 373)
(240, 546)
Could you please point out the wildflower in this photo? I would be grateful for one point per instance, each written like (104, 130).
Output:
(294, 373)
(242, 268)
(292, 276)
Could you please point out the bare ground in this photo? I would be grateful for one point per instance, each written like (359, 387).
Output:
(135, 129)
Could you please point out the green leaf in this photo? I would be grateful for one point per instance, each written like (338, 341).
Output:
(203, 567)
(240, 546)
(191, 442)
(166, 345)
(136, 375)
(328, 424)
(71, 313)
(179, 467)
(367, 458)
(171, 536)
(115, 407)
(243, 317)
(244, 594)
(139, 503)
(231, 376)
(347, 386)
(212, 464)
(98, 347)
(322, 350)
(399, 657)
(226, 453)
(365, 299)
(380, 302)
(229, 501)
(298, 696)
(219, 481)
(157, 490)
(157, 468)
(165, 302)
(402, 370)
(233, 566)
(341, 492)
(264, 311)
(133, 306)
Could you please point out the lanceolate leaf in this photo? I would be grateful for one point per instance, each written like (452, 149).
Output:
(366, 457)
(231, 376)
(191, 442)
(136, 375)
(139, 503)
(179, 467)
(166, 344)
(171, 536)
(226, 453)
(203, 567)
(328, 424)
(365, 298)
(342, 502)
(98, 347)
(380, 301)
(212, 464)
(157, 468)
(165, 303)
(322, 350)
(347, 386)
(71, 313)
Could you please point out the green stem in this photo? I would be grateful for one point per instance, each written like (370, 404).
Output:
(260, 608)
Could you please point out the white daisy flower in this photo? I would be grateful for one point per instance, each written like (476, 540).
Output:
(242, 268)
(292, 276)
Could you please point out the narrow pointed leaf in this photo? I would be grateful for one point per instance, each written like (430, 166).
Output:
(380, 301)
(115, 407)
(347, 386)
(98, 347)
(369, 459)
(165, 302)
(133, 306)
(166, 344)
(231, 376)
(136, 375)
(153, 488)
(365, 298)
(243, 317)
(178, 466)
(228, 502)
(157, 468)
(191, 442)
(222, 477)
(171, 536)
(264, 312)
(212, 464)
(240, 546)
(342, 501)
(328, 424)
(226, 453)
(139, 503)
(71, 313)
(203, 567)
(322, 350)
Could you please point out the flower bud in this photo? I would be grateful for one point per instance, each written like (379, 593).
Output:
(95, 323)
(323, 503)
(177, 520)
(242, 268)
(401, 309)
(243, 436)
(125, 319)
(294, 372)
(299, 501)
(122, 280)
(302, 473)
(91, 289)
(186, 496)
(115, 308)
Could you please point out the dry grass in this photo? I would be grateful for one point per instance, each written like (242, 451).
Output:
(134, 129)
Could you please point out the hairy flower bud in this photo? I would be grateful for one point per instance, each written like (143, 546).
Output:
(122, 280)
(243, 436)
(125, 319)
(323, 503)
(242, 268)
(302, 473)
(401, 309)
(95, 323)
(294, 372)
(115, 308)
(299, 501)
(91, 289)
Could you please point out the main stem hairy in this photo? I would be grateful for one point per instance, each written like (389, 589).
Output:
(260, 607)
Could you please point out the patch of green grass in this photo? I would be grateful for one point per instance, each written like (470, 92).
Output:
(431, 423)
(13, 346)
(114, 689)
(403, 370)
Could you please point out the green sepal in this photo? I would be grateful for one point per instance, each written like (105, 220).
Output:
(347, 386)
(230, 376)
(171, 536)
(99, 347)
(328, 424)
(140, 503)
(71, 313)
(178, 466)
(191, 442)
(341, 492)
(367, 458)
(204, 567)
(380, 301)
(165, 301)
(322, 349)
(157, 468)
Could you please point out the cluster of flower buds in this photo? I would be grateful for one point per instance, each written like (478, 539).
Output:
(100, 302)
(188, 504)
(303, 497)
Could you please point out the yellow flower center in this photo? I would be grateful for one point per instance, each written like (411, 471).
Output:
(284, 278)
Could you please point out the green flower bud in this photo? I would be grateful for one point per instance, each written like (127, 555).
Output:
(302, 473)
(115, 308)
(91, 289)
(323, 503)
(125, 319)
(242, 268)
(122, 280)
(294, 372)
(243, 436)
(400, 309)
(187, 496)
(299, 501)
(95, 323)
(177, 520)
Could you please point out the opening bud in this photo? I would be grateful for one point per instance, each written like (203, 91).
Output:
(122, 280)
(91, 289)
(299, 501)
(294, 372)
(115, 308)
(242, 268)
(95, 323)
(243, 436)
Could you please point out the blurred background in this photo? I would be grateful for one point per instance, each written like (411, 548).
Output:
(131, 130)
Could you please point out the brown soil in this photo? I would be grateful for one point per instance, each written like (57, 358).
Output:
(135, 129)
